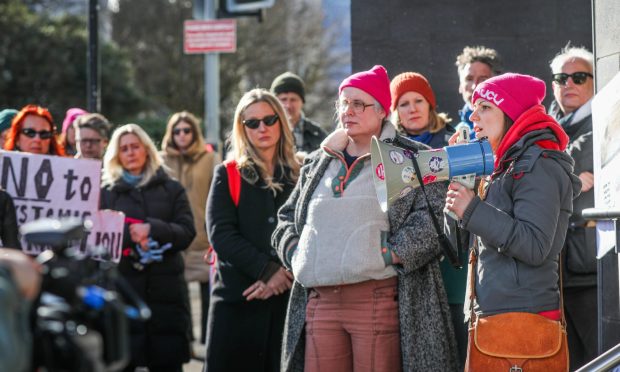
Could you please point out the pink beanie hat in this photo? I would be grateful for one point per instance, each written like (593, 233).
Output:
(512, 93)
(374, 82)
(72, 114)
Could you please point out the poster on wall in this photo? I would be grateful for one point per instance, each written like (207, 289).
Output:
(44, 186)
(606, 138)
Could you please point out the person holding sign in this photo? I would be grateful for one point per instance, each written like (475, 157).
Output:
(250, 288)
(159, 221)
(33, 130)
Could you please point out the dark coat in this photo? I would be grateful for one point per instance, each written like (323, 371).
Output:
(242, 335)
(8, 225)
(580, 246)
(427, 337)
(313, 136)
(162, 202)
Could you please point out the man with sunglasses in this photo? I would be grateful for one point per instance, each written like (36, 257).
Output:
(573, 88)
(291, 91)
(92, 133)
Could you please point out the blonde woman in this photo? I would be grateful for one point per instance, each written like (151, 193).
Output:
(158, 214)
(250, 289)
(192, 163)
(414, 111)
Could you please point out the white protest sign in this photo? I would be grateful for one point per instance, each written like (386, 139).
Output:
(107, 232)
(606, 147)
(44, 186)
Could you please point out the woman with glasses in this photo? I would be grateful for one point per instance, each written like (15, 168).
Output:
(33, 130)
(368, 294)
(250, 287)
(414, 111)
(190, 161)
(158, 227)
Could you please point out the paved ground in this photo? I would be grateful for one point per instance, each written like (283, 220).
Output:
(199, 350)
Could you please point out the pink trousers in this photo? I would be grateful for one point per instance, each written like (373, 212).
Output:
(353, 328)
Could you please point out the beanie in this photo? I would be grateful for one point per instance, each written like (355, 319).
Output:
(374, 82)
(72, 114)
(411, 82)
(6, 116)
(289, 82)
(512, 93)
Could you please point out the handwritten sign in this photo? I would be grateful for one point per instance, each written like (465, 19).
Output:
(49, 186)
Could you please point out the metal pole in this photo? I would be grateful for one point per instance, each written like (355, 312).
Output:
(92, 56)
(212, 85)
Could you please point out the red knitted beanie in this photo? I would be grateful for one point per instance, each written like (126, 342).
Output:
(411, 82)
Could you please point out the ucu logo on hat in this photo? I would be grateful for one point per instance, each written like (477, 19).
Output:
(512, 93)
(490, 95)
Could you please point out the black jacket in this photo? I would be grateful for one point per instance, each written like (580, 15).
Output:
(313, 135)
(8, 225)
(242, 335)
(579, 254)
(162, 202)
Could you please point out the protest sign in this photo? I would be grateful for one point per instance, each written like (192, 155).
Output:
(44, 186)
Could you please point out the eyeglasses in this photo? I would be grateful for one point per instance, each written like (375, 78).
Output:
(178, 131)
(578, 77)
(269, 120)
(90, 141)
(43, 134)
(358, 106)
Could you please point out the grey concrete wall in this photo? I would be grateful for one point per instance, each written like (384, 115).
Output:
(427, 35)
(606, 16)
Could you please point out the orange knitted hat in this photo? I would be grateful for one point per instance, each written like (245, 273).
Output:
(411, 82)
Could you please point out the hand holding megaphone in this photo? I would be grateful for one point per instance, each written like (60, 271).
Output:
(468, 180)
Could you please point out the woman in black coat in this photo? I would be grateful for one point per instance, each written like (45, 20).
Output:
(158, 215)
(250, 288)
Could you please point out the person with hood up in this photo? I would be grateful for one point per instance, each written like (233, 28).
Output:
(520, 215)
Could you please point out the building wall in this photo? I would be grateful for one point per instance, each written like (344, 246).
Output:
(606, 14)
(427, 35)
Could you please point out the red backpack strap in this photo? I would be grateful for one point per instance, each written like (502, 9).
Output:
(234, 180)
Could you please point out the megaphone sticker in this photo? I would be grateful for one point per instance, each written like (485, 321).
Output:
(380, 172)
(396, 157)
(408, 153)
(428, 178)
(407, 174)
(435, 164)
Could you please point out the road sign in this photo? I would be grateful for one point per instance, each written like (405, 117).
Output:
(210, 36)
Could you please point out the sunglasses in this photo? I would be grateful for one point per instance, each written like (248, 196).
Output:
(255, 123)
(578, 77)
(178, 131)
(43, 134)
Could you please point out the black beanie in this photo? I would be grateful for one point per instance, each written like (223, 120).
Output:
(289, 82)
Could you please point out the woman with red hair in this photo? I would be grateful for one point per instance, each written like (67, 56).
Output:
(33, 130)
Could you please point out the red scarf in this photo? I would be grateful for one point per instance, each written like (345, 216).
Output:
(533, 119)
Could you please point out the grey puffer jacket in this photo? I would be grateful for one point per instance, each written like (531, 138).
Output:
(520, 228)
(427, 337)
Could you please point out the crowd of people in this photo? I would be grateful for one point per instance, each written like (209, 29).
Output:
(299, 268)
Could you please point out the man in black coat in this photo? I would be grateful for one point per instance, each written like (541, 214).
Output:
(573, 88)
(291, 91)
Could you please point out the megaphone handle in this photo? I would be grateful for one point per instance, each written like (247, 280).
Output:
(443, 239)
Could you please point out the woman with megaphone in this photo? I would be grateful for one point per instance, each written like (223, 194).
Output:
(367, 294)
(519, 219)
